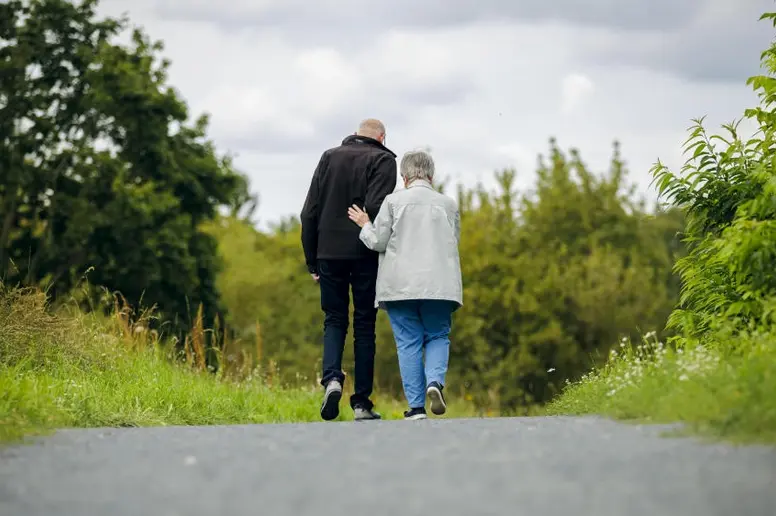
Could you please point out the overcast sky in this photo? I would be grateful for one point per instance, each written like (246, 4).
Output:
(484, 83)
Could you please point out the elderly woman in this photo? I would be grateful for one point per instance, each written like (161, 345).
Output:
(419, 283)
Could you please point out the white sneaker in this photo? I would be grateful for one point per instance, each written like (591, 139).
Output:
(331, 399)
(436, 398)
(362, 414)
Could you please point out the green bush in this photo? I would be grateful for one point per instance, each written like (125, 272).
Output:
(718, 372)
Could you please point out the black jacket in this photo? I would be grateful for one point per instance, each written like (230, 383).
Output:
(360, 171)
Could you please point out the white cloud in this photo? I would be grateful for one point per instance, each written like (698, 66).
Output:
(576, 87)
(482, 94)
(327, 80)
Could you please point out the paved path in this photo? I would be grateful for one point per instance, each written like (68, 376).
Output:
(531, 466)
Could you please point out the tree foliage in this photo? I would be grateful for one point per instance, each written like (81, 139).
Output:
(553, 280)
(727, 187)
(101, 169)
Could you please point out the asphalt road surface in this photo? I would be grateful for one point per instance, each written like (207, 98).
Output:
(474, 467)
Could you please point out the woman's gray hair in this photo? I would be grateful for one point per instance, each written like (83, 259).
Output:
(417, 164)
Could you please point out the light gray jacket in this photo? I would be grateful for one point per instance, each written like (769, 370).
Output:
(416, 233)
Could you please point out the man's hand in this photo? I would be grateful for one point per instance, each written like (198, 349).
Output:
(358, 216)
(316, 278)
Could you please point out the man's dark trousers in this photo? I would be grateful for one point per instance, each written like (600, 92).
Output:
(337, 278)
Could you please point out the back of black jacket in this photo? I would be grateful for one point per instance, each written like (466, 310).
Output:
(361, 171)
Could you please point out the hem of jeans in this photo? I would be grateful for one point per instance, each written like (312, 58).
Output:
(358, 401)
(339, 377)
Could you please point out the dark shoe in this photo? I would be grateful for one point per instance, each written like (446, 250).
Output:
(436, 398)
(415, 414)
(363, 414)
(331, 399)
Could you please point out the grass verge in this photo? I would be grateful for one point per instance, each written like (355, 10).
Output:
(77, 370)
(723, 387)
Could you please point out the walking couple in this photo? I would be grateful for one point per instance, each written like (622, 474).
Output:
(394, 250)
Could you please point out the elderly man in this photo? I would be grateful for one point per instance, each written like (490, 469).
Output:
(360, 171)
(419, 279)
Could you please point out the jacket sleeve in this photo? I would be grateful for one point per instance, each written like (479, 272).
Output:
(381, 183)
(375, 235)
(457, 226)
(309, 219)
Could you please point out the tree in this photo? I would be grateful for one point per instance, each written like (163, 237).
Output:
(554, 279)
(101, 169)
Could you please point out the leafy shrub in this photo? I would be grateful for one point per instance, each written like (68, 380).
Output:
(727, 187)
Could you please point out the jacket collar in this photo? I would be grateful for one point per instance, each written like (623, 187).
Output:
(420, 182)
(355, 139)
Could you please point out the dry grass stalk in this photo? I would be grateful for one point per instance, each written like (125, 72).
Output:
(270, 375)
(197, 340)
(122, 315)
(133, 331)
(259, 345)
(27, 328)
(187, 351)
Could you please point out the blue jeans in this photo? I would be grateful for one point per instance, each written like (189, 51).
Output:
(419, 325)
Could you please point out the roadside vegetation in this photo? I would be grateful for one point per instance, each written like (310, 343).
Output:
(71, 369)
(718, 373)
(113, 197)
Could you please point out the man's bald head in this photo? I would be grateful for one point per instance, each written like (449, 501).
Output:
(372, 128)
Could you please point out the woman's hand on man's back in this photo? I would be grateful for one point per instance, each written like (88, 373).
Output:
(358, 216)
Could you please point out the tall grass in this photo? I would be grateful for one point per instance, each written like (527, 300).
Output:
(73, 369)
(723, 386)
